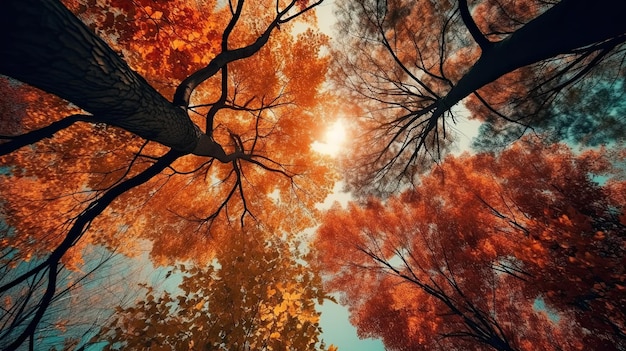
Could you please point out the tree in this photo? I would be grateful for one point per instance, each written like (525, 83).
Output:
(122, 163)
(468, 257)
(591, 114)
(408, 66)
(254, 296)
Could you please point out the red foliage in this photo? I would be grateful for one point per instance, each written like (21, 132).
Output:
(481, 239)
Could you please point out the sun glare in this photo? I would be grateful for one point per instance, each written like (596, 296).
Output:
(333, 139)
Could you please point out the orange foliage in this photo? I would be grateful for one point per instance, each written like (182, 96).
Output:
(196, 204)
(488, 234)
(41, 185)
(162, 40)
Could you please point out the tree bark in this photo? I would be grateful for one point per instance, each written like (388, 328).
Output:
(568, 25)
(43, 44)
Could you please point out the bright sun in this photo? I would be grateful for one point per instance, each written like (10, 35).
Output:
(333, 139)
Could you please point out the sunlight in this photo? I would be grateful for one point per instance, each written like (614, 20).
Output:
(333, 139)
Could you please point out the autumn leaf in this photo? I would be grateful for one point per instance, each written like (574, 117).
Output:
(237, 296)
(477, 242)
(112, 173)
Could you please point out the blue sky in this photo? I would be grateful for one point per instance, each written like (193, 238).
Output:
(338, 331)
(334, 320)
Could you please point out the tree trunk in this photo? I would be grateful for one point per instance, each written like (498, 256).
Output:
(43, 44)
(568, 25)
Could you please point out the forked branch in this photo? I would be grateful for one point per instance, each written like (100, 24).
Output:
(188, 85)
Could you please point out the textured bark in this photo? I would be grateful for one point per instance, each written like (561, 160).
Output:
(568, 25)
(45, 45)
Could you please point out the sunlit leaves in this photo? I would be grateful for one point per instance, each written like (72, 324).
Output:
(255, 295)
(270, 97)
(304, 74)
(44, 183)
(264, 117)
(174, 38)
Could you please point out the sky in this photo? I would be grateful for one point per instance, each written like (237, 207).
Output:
(337, 330)
(335, 319)
(336, 327)
(335, 323)
(465, 129)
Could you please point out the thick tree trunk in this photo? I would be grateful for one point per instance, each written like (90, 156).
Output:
(45, 45)
(568, 25)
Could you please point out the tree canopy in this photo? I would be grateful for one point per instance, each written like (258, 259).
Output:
(110, 161)
(177, 137)
(255, 295)
(519, 247)
(462, 260)
(409, 64)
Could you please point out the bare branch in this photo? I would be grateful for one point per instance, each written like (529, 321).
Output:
(18, 141)
(473, 29)
(79, 227)
(187, 86)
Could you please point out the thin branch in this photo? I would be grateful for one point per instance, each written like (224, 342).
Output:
(189, 84)
(18, 141)
(79, 227)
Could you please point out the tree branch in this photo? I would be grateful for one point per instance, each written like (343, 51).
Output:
(187, 86)
(473, 29)
(18, 141)
(80, 226)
